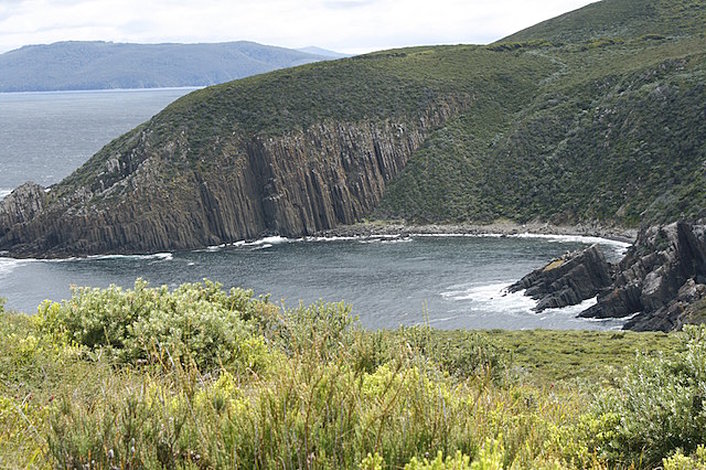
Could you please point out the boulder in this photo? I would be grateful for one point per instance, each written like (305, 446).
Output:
(568, 280)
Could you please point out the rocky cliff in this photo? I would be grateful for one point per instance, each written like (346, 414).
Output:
(294, 184)
(600, 125)
(568, 280)
(659, 280)
(660, 283)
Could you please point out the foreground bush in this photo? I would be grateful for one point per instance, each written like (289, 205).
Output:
(655, 410)
(197, 321)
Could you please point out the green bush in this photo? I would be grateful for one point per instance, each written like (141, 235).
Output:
(679, 461)
(198, 322)
(657, 408)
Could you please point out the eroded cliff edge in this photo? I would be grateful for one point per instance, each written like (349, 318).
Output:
(140, 196)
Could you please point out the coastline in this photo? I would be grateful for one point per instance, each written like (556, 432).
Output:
(503, 228)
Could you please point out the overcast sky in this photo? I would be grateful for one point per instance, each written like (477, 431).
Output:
(352, 26)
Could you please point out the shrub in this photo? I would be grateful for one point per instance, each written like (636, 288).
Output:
(198, 322)
(679, 461)
(657, 408)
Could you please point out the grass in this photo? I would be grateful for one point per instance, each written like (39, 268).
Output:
(307, 388)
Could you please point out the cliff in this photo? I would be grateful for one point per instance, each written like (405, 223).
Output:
(660, 283)
(568, 280)
(660, 280)
(601, 124)
(297, 184)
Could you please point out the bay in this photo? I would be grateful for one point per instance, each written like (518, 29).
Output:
(47, 135)
(444, 281)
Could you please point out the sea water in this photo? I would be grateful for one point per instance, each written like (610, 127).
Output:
(455, 281)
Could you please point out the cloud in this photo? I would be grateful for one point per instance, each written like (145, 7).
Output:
(346, 25)
(347, 4)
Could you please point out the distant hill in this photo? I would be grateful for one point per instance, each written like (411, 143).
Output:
(323, 52)
(95, 65)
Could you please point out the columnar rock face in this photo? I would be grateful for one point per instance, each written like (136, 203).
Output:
(568, 280)
(21, 206)
(137, 196)
(659, 278)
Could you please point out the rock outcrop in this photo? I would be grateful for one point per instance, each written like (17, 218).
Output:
(658, 279)
(660, 283)
(568, 280)
(141, 194)
(21, 206)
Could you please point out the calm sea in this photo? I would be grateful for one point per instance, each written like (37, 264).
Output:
(447, 282)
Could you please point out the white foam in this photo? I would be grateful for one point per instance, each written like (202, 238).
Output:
(496, 298)
(4, 192)
(589, 240)
(262, 246)
(275, 240)
(329, 239)
(572, 310)
(8, 265)
(458, 235)
(575, 239)
(495, 294)
(154, 256)
(398, 240)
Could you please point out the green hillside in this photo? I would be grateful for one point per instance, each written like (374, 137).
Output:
(614, 136)
(621, 20)
(594, 117)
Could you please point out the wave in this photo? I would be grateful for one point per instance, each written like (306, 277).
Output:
(572, 309)
(8, 265)
(274, 240)
(385, 239)
(495, 298)
(153, 256)
(497, 294)
(330, 239)
(574, 238)
(458, 235)
(4, 192)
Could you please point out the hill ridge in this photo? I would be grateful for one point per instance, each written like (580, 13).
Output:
(82, 65)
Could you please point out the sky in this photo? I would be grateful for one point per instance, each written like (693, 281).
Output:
(350, 26)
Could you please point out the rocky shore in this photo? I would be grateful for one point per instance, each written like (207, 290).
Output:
(385, 228)
(660, 284)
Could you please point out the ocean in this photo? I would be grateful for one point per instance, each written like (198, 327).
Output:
(452, 281)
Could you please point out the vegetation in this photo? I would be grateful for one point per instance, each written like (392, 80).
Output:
(592, 117)
(613, 134)
(307, 388)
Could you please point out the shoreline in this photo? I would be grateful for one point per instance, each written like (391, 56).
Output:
(400, 229)
(503, 228)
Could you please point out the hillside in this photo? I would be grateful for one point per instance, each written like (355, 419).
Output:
(96, 65)
(596, 117)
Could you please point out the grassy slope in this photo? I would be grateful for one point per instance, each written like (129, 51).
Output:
(388, 85)
(615, 136)
(593, 117)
